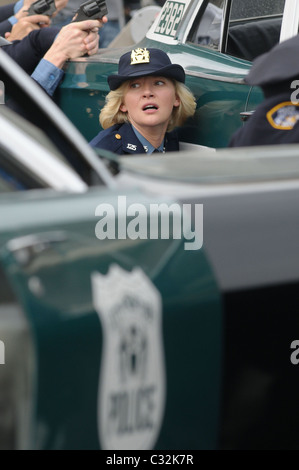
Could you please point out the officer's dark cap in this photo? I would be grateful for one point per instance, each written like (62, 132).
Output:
(143, 62)
(276, 66)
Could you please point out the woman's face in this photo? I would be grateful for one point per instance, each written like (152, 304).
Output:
(149, 102)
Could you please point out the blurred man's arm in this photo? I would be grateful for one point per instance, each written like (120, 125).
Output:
(6, 11)
(74, 40)
(11, 15)
(7, 18)
(29, 51)
(25, 25)
(48, 76)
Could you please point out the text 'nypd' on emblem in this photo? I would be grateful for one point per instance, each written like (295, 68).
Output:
(131, 397)
(140, 56)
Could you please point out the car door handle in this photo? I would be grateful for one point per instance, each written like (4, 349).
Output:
(245, 115)
(26, 248)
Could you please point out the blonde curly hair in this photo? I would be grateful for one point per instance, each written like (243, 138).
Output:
(111, 114)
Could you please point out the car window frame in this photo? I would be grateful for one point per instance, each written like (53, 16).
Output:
(289, 27)
(290, 20)
(24, 157)
(71, 143)
(17, 176)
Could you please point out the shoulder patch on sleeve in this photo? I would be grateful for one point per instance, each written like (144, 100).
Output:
(283, 116)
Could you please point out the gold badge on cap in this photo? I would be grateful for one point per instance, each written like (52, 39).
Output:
(140, 56)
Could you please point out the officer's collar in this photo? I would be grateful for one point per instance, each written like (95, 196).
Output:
(148, 147)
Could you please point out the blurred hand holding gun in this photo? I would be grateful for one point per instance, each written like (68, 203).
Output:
(92, 9)
(42, 7)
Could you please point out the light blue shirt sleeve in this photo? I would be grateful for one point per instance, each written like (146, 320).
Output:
(12, 19)
(48, 76)
(18, 6)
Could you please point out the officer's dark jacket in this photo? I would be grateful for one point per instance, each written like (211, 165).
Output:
(5, 12)
(122, 140)
(30, 50)
(275, 121)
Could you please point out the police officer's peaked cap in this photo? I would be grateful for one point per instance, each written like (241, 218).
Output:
(278, 65)
(143, 62)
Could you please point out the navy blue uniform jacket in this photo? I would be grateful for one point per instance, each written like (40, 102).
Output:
(5, 12)
(275, 121)
(30, 50)
(122, 140)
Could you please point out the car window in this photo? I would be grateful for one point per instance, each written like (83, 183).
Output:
(254, 9)
(31, 130)
(206, 30)
(240, 29)
(6, 184)
(253, 27)
(29, 160)
(26, 98)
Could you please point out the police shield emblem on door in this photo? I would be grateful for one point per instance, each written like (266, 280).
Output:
(131, 393)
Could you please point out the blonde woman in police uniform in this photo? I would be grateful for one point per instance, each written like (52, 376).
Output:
(147, 101)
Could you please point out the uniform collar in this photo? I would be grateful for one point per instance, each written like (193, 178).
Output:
(148, 147)
(130, 143)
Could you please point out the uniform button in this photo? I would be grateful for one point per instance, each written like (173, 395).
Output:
(117, 136)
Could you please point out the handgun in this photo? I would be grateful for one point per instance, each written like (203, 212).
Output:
(92, 9)
(42, 7)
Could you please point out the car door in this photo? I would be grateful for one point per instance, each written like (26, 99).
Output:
(250, 200)
(124, 334)
(110, 336)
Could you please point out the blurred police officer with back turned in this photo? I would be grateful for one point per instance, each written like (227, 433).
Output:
(275, 120)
